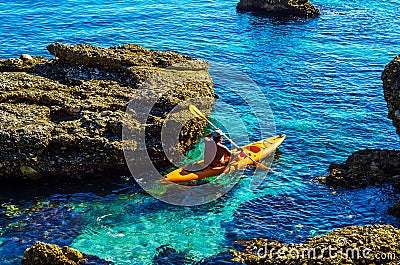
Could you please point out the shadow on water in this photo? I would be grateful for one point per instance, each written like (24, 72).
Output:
(256, 19)
(97, 185)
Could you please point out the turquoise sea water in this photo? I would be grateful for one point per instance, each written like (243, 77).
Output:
(322, 80)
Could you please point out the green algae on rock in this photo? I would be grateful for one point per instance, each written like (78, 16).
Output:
(280, 8)
(50, 254)
(63, 117)
(378, 244)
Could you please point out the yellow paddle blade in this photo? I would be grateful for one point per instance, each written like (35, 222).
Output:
(196, 112)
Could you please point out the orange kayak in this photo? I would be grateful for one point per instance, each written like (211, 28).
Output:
(257, 150)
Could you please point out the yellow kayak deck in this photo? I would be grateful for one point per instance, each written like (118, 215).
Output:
(257, 151)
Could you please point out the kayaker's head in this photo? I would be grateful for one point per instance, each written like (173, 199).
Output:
(217, 137)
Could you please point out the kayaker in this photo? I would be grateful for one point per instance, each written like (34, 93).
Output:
(215, 153)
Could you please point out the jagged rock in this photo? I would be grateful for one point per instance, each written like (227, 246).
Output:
(349, 245)
(366, 167)
(63, 117)
(41, 253)
(280, 8)
(391, 89)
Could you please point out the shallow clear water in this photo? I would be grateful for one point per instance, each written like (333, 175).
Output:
(322, 79)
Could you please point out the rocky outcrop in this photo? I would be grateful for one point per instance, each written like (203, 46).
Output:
(391, 89)
(42, 253)
(349, 245)
(280, 8)
(63, 117)
(367, 167)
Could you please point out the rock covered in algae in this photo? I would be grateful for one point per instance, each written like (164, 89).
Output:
(63, 117)
(378, 244)
(50, 254)
(280, 8)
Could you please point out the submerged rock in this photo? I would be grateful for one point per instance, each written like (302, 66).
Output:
(391, 89)
(168, 255)
(26, 226)
(349, 245)
(63, 118)
(367, 167)
(280, 8)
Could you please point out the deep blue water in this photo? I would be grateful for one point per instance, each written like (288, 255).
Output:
(322, 80)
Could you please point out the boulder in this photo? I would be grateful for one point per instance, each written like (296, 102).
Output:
(63, 117)
(348, 245)
(366, 167)
(280, 8)
(391, 89)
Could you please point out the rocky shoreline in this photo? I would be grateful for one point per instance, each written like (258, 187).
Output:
(63, 117)
(349, 245)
